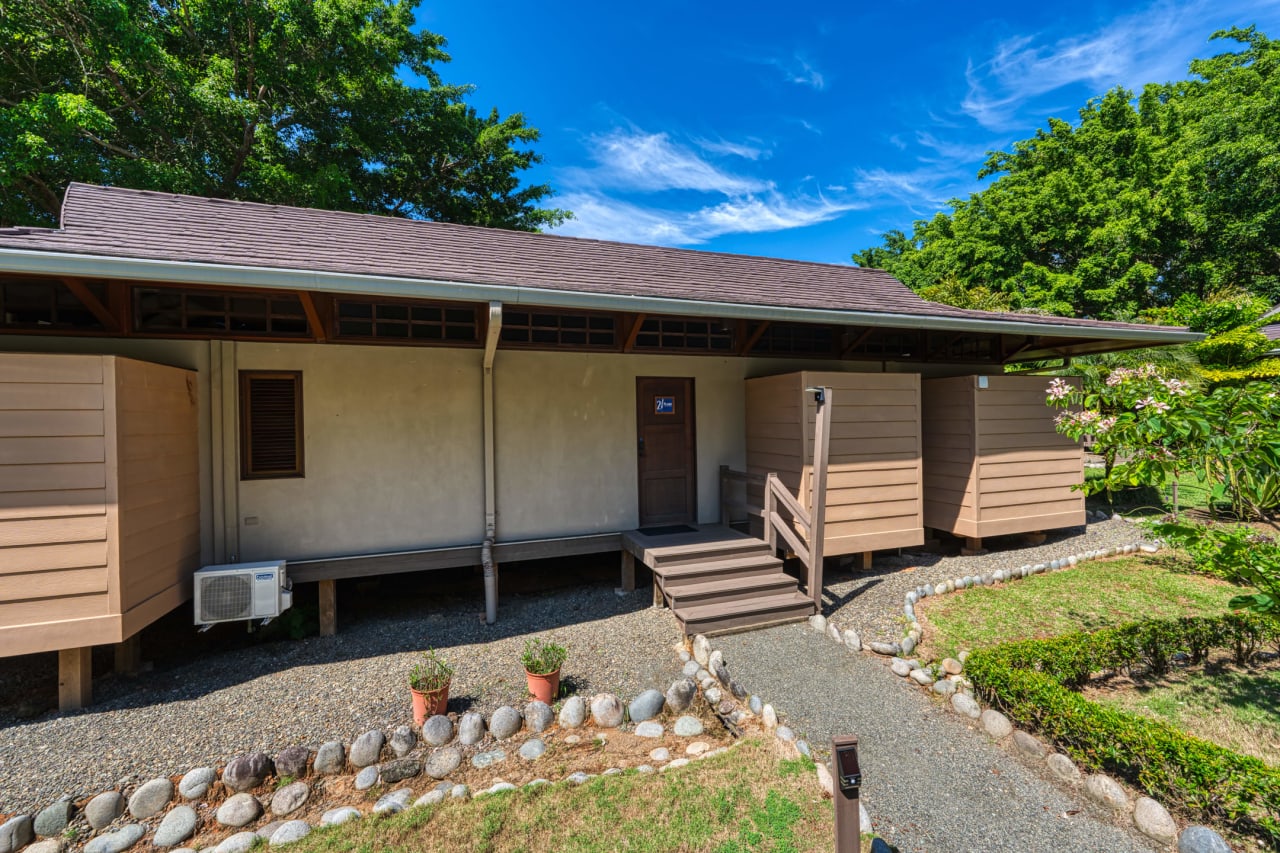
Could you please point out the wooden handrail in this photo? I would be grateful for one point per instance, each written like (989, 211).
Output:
(808, 542)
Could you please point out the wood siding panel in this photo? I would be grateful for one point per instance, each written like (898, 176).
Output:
(51, 369)
(54, 609)
(43, 478)
(18, 396)
(39, 558)
(31, 423)
(950, 430)
(30, 450)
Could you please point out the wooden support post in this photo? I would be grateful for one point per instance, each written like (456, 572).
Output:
(657, 592)
(328, 608)
(864, 561)
(972, 547)
(129, 655)
(75, 678)
(628, 571)
(818, 517)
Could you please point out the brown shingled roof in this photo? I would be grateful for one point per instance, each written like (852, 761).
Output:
(127, 223)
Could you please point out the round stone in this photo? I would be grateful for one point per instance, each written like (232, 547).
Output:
(393, 803)
(756, 704)
(944, 687)
(646, 706)
(103, 809)
(532, 749)
(688, 726)
(403, 741)
(290, 798)
(292, 761)
(178, 825)
(660, 754)
(691, 668)
(289, 832)
(331, 757)
(399, 769)
(995, 724)
(367, 749)
(966, 706)
(769, 717)
(912, 597)
(1063, 768)
(701, 649)
(538, 716)
(482, 760)
(713, 695)
(438, 730)
(1200, 839)
(117, 842)
(53, 845)
(150, 799)
(784, 733)
(606, 710)
(335, 817)
(1154, 821)
(246, 772)
(366, 778)
(680, 694)
(441, 762)
(1028, 745)
(470, 729)
(241, 842)
(852, 641)
(921, 677)
(430, 798)
(16, 833)
(1106, 791)
(573, 713)
(900, 667)
(679, 762)
(460, 792)
(951, 666)
(53, 819)
(824, 778)
(649, 729)
(886, 649)
(818, 623)
(505, 722)
(238, 810)
(833, 632)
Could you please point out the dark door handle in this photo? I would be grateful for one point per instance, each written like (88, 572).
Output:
(642, 447)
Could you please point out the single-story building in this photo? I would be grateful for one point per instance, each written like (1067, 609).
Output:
(370, 395)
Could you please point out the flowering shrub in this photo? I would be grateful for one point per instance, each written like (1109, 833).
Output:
(1148, 428)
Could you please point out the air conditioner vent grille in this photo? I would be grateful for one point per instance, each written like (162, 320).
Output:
(225, 597)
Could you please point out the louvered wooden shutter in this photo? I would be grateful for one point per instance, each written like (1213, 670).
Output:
(270, 424)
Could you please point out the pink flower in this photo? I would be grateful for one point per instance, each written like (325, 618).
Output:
(1058, 390)
(1120, 374)
(1104, 425)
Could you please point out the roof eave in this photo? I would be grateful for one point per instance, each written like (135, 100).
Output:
(41, 262)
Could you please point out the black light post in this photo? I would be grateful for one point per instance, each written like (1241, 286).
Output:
(848, 780)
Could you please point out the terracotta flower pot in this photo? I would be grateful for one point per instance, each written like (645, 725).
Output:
(428, 703)
(544, 688)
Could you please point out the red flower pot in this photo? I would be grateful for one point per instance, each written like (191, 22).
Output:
(544, 688)
(428, 703)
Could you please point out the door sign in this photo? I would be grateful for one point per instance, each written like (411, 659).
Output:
(664, 405)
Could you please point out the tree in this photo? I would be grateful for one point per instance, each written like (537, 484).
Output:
(1137, 203)
(295, 102)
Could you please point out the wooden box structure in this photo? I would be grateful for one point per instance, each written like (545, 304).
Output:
(873, 499)
(993, 462)
(99, 499)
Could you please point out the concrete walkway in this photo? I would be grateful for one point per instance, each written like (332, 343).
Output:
(932, 782)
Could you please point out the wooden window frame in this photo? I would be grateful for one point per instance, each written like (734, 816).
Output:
(201, 333)
(246, 444)
(337, 335)
(531, 327)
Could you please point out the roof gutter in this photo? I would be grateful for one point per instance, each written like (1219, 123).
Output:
(228, 275)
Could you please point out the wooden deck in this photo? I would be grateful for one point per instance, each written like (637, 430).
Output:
(716, 579)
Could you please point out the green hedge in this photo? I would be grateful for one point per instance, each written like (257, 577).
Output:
(1034, 682)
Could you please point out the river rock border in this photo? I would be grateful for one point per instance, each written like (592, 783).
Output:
(171, 814)
(947, 679)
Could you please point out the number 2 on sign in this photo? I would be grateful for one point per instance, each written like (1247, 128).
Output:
(664, 405)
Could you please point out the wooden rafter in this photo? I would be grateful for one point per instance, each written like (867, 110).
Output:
(630, 342)
(754, 337)
(858, 341)
(318, 327)
(1026, 345)
(86, 297)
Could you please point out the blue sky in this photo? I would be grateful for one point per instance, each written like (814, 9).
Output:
(799, 130)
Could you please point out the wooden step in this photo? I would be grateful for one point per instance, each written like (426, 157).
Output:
(727, 549)
(723, 590)
(720, 569)
(747, 613)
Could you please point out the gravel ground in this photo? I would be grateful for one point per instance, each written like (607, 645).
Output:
(931, 782)
(214, 705)
(871, 601)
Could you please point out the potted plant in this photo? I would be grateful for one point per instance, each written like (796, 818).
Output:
(429, 683)
(542, 661)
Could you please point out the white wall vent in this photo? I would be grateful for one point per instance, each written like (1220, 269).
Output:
(239, 591)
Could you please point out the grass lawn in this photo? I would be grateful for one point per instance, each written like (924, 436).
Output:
(745, 800)
(1238, 709)
(1151, 500)
(1095, 594)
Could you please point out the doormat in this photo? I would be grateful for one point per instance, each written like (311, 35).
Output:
(667, 530)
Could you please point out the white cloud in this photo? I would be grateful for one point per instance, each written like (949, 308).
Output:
(797, 68)
(923, 191)
(651, 162)
(735, 149)
(601, 217)
(1149, 45)
(946, 150)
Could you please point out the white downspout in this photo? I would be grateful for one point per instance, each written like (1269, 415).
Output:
(490, 489)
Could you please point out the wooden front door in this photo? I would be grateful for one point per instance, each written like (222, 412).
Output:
(667, 455)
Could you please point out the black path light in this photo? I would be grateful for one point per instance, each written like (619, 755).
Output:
(848, 778)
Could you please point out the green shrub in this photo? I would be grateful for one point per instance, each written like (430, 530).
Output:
(542, 657)
(1034, 682)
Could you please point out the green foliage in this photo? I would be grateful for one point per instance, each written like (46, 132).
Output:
(952, 291)
(430, 673)
(542, 657)
(1237, 553)
(1134, 204)
(296, 102)
(1032, 681)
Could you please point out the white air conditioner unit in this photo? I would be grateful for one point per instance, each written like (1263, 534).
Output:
(240, 591)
